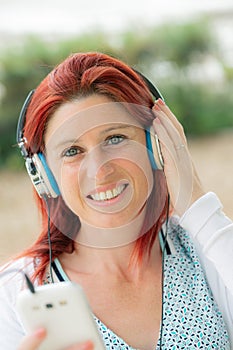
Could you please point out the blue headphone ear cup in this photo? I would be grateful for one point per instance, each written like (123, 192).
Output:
(41, 176)
(154, 150)
(47, 175)
(150, 150)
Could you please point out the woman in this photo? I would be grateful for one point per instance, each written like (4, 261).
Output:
(139, 234)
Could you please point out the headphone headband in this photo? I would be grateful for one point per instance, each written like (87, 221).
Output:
(153, 89)
(20, 139)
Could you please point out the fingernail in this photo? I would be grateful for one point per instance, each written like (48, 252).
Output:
(86, 346)
(40, 333)
(156, 120)
(161, 102)
(156, 107)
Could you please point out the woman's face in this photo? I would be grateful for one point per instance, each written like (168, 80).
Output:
(97, 153)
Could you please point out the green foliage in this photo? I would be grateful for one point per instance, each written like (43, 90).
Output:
(228, 73)
(200, 110)
(185, 43)
(180, 44)
(200, 107)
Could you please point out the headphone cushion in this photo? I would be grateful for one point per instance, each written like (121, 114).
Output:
(46, 175)
(153, 148)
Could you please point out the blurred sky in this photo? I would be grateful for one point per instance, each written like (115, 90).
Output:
(65, 17)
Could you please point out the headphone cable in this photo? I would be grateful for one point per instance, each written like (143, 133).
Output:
(49, 239)
(163, 266)
(28, 281)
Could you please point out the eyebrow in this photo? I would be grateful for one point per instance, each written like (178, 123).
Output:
(103, 132)
(117, 126)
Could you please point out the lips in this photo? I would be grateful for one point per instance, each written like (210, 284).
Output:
(109, 194)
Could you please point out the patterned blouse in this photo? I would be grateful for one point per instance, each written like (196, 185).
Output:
(191, 319)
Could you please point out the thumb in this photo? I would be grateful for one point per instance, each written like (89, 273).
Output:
(33, 340)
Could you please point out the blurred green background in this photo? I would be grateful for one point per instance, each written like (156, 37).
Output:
(184, 60)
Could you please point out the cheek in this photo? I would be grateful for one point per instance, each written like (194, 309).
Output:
(68, 180)
(140, 167)
(143, 180)
(140, 174)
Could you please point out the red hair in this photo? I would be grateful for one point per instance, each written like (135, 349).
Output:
(81, 75)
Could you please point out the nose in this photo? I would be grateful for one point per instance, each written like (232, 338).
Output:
(97, 165)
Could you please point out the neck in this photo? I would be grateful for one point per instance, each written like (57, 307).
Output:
(90, 261)
(111, 237)
(106, 250)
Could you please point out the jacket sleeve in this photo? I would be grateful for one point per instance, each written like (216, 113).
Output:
(212, 233)
(11, 329)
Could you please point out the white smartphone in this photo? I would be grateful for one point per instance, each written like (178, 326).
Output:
(62, 308)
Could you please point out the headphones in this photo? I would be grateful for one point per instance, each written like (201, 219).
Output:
(36, 165)
(38, 169)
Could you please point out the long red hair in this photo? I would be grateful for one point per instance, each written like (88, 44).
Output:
(81, 75)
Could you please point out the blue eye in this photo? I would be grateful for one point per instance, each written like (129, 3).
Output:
(71, 152)
(115, 139)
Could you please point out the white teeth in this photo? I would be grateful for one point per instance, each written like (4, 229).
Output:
(120, 188)
(96, 197)
(102, 196)
(109, 194)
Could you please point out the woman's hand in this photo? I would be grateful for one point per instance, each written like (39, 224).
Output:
(183, 182)
(34, 340)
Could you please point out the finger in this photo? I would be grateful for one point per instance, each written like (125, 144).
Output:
(88, 345)
(177, 166)
(164, 107)
(176, 140)
(34, 340)
(166, 144)
(170, 115)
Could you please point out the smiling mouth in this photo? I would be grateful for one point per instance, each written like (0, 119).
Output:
(109, 194)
